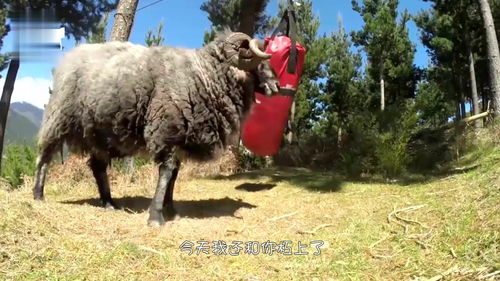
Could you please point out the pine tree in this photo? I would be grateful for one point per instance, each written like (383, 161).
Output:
(246, 16)
(4, 29)
(98, 35)
(493, 54)
(452, 32)
(340, 97)
(155, 39)
(388, 48)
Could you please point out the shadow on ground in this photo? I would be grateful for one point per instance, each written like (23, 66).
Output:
(330, 182)
(254, 187)
(417, 177)
(184, 208)
(314, 181)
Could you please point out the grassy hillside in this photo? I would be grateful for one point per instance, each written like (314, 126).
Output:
(442, 228)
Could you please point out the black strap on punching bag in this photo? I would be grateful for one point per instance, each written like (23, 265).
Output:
(288, 27)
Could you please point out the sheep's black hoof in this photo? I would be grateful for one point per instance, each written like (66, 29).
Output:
(110, 205)
(156, 219)
(38, 197)
(171, 213)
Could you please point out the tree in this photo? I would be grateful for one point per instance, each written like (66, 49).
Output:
(8, 88)
(246, 16)
(124, 20)
(122, 26)
(442, 32)
(98, 35)
(388, 48)
(493, 54)
(453, 33)
(4, 29)
(340, 97)
(155, 39)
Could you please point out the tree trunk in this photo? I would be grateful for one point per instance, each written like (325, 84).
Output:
(292, 127)
(339, 138)
(473, 86)
(458, 114)
(461, 98)
(382, 94)
(122, 26)
(8, 88)
(249, 12)
(493, 55)
(124, 20)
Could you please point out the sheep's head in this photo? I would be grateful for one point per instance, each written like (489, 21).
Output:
(244, 52)
(266, 81)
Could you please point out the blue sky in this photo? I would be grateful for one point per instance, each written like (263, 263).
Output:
(185, 24)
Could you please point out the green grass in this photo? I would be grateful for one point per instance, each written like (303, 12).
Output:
(453, 228)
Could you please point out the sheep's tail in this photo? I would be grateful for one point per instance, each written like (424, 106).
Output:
(58, 112)
(55, 127)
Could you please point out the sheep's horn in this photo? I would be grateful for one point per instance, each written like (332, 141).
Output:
(254, 47)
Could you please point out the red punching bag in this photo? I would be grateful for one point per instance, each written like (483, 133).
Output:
(263, 129)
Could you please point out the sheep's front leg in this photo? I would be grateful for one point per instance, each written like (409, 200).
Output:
(167, 174)
(99, 167)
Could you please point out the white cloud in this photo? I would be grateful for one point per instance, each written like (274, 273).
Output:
(30, 89)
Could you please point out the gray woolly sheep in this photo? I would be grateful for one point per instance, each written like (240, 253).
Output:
(118, 99)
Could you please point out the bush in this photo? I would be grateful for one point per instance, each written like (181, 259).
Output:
(430, 148)
(121, 164)
(391, 146)
(18, 160)
(248, 161)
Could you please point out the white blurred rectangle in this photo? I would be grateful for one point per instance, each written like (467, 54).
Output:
(41, 37)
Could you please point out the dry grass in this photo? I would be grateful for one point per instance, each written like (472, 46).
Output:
(442, 229)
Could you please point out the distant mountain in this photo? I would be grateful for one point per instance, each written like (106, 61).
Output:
(33, 113)
(23, 123)
(19, 129)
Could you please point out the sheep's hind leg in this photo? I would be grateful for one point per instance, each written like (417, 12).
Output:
(167, 174)
(168, 202)
(99, 167)
(42, 165)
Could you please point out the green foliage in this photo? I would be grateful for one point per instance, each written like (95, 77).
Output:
(229, 13)
(388, 48)
(155, 39)
(358, 145)
(98, 35)
(18, 160)
(433, 106)
(341, 97)
(391, 147)
(247, 161)
(4, 29)
(451, 30)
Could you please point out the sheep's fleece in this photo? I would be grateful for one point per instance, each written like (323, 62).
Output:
(117, 99)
